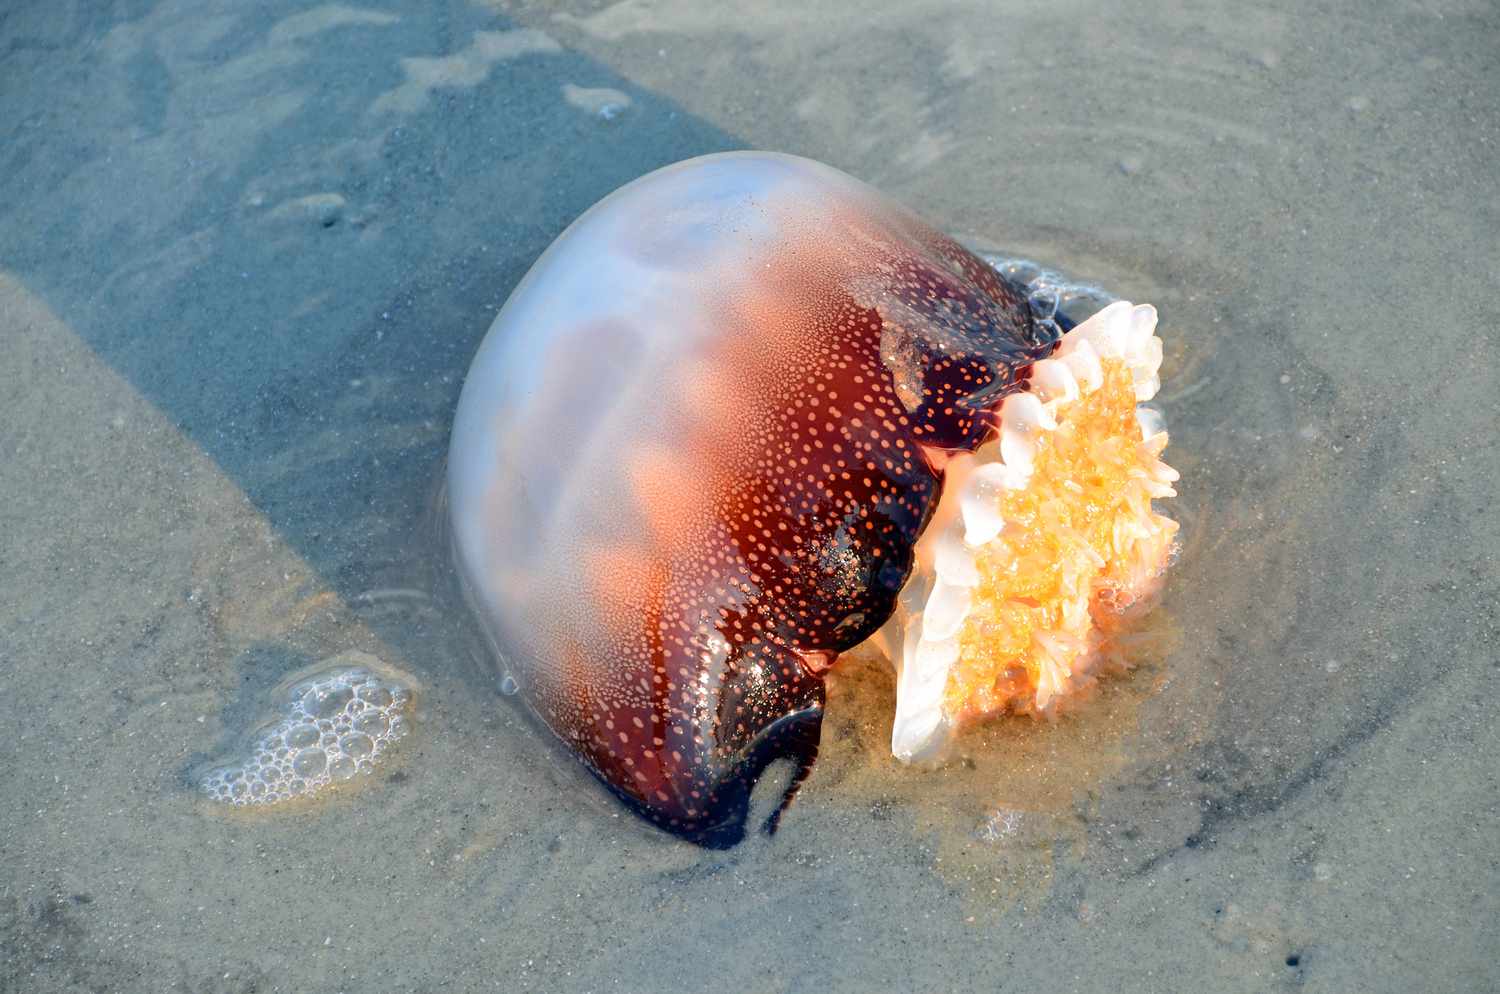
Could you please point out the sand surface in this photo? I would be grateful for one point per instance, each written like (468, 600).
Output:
(247, 250)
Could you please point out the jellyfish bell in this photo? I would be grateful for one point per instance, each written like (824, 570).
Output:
(728, 427)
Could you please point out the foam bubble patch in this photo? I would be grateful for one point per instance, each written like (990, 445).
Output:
(333, 725)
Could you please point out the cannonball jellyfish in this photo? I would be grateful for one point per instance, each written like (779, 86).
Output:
(747, 413)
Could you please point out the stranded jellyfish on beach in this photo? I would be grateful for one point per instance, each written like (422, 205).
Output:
(745, 414)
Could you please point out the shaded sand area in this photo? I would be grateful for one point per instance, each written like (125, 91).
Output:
(246, 252)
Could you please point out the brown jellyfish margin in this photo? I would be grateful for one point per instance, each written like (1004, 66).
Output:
(1064, 409)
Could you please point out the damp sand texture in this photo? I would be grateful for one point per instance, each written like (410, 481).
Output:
(246, 254)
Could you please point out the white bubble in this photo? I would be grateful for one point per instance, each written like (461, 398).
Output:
(374, 724)
(310, 762)
(375, 695)
(357, 745)
(301, 736)
(325, 700)
(1056, 301)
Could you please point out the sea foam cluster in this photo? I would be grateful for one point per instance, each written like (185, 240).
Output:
(333, 725)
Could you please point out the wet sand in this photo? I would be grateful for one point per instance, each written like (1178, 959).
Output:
(247, 252)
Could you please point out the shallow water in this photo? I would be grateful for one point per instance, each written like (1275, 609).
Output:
(247, 252)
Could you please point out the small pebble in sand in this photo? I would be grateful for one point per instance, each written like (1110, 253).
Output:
(324, 209)
(602, 102)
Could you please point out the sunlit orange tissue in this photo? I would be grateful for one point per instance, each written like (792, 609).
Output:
(1044, 539)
